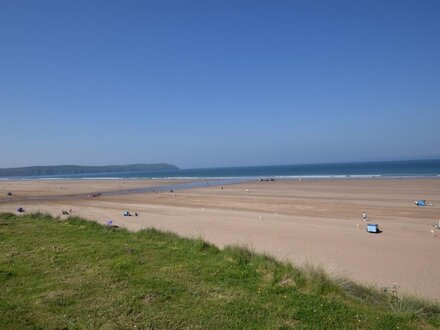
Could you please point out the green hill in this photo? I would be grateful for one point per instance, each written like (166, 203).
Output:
(77, 274)
(77, 169)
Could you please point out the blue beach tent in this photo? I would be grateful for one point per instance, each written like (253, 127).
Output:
(420, 202)
(373, 228)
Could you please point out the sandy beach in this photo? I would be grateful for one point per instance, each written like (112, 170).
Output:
(308, 221)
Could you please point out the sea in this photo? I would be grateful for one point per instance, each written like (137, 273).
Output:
(388, 169)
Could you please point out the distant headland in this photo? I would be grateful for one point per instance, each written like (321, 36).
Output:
(78, 169)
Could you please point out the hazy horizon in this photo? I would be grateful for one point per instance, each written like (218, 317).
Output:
(218, 84)
(248, 165)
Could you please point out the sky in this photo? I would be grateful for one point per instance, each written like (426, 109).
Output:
(218, 83)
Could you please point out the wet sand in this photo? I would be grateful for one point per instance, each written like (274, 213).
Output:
(27, 188)
(314, 221)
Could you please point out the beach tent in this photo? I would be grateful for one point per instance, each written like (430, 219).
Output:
(373, 228)
(421, 202)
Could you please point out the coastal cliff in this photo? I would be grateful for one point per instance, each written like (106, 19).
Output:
(77, 169)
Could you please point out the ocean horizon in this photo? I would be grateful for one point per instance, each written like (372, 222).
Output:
(412, 168)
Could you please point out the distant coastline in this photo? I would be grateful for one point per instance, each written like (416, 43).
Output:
(78, 169)
(391, 169)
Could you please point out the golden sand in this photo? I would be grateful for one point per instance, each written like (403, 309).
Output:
(314, 221)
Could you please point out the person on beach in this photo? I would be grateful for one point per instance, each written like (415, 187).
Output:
(364, 216)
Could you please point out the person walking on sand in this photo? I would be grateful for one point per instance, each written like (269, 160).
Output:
(364, 216)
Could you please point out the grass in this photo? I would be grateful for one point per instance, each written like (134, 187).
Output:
(76, 274)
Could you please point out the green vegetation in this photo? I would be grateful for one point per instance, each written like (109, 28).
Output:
(77, 274)
(76, 169)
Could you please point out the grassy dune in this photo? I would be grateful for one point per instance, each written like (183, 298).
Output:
(78, 274)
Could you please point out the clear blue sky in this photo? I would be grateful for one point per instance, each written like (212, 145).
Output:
(218, 83)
